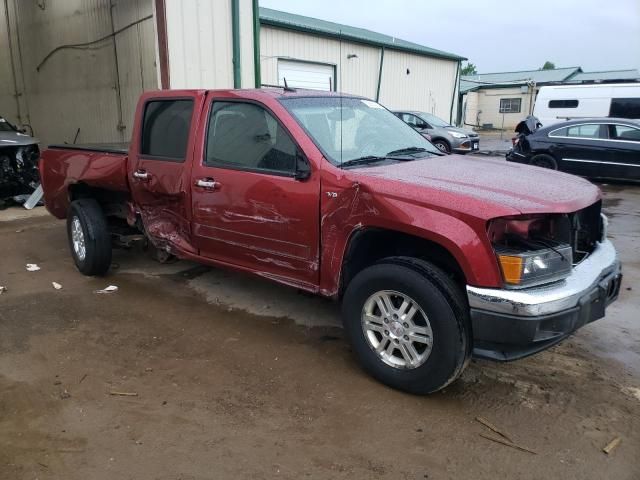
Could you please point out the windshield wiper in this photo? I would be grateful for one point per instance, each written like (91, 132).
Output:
(363, 160)
(402, 151)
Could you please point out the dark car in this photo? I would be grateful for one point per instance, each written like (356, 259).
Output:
(595, 148)
(444, 136)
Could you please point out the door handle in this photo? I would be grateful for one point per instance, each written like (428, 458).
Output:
(208, 183)
(141, 175)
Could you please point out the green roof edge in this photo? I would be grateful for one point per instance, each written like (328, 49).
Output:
(281, 23)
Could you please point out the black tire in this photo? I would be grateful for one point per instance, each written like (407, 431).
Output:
(97, 239)
(442, 302)
(442, 145)
(545, 161)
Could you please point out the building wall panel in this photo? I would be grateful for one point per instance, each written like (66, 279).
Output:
(489, 107)
(77, 88)
(200, 43)
(429, 86)
(416, 82)
(356, 75)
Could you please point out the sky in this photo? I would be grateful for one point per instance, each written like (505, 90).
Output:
(498, 35)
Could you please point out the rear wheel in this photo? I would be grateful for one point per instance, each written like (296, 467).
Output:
(545, 161)
(89, 237)
(408, 324)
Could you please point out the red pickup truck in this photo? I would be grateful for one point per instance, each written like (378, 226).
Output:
(433, 257)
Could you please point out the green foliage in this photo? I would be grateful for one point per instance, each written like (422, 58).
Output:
(468, 69)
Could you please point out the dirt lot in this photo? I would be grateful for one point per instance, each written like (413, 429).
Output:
(238, 378)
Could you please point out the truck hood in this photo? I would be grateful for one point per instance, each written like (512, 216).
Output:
(16, 139)
(484, 187)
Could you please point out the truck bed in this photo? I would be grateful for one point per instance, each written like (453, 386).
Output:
(62, 167)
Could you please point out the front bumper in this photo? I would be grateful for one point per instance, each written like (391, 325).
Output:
(465, 145)
(511, 324)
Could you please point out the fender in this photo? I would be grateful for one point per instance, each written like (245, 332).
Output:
(463, 238)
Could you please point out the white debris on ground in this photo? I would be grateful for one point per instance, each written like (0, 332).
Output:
(56, 285)
(2, 289)
(109, 289)
(32, 267)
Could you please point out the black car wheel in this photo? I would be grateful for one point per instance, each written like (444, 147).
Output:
(545, 161)
(408, 324)
(442, 145)
(89, 237)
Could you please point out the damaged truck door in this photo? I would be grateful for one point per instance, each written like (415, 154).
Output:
(250, 206)
(159, 168)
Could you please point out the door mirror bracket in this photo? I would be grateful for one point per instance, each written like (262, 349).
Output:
(303, 169)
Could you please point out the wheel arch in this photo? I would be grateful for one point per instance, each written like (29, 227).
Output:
(369, 245)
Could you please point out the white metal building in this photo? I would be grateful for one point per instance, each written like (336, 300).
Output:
(314, 53)
(74, 69)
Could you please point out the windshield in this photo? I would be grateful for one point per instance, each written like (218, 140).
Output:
(433, 120)
(347, 129)
(5, 126)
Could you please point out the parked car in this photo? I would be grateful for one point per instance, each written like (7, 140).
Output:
(432, 259)
(558, 103)
(443, 135)
(19, 156)
(595, 148)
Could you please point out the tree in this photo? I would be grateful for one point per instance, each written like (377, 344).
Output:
(468, 69)
(548, 66)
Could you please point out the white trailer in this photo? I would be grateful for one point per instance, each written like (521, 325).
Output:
(558, 103)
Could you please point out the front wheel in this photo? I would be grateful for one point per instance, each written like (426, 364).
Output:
(443, 146)
(89, 237)
(408, 324)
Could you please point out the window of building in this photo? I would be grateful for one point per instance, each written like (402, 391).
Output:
(510, 105)
(165, 129)
(563, 103)
(245, 136)
(625, 108)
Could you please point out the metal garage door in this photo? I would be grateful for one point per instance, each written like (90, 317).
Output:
(306, 75)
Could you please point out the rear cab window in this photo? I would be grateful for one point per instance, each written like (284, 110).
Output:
(165, 129)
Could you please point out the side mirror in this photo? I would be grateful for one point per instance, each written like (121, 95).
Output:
(303, 169)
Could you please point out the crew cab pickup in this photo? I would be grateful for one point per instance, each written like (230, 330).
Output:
(433, 257)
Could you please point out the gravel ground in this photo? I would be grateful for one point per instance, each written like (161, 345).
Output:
(238, 378)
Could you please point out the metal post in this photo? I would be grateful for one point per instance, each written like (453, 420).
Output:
(235, 38)
(256, 44)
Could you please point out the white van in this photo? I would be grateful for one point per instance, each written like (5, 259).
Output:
(567, 102)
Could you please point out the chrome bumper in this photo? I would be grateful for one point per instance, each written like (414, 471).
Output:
(554, 298)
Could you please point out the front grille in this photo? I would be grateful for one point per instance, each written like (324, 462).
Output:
(586, 230)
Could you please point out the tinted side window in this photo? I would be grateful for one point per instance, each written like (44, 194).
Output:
(246, 136)
(622, 132)
(563, 103)
(584, 131)
(165, 128)
(625, 108)
(562, 132)
(411, 119)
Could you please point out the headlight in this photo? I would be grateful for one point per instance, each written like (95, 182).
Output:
(457, 135)
(535, 267)
(531, 250)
